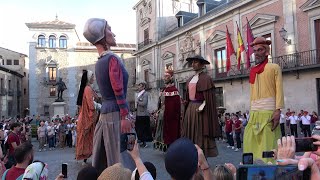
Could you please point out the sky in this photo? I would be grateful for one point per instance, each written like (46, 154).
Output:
(14, 34)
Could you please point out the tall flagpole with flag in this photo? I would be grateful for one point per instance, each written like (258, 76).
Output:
(241, 50)
(229, 50)
(250, 39)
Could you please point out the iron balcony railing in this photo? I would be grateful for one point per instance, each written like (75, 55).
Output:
(295, 61)
(300, 60)
(144, 43)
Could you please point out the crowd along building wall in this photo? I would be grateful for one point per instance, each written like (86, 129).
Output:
(203, 32)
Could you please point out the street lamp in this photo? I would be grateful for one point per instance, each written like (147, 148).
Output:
(283, 34)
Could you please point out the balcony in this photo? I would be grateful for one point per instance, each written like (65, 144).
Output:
(10, 92)
(144, 43)
(3, 91)
(290, 62)
(49, 81)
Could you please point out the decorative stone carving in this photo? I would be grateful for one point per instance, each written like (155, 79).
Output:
(145, 62)
(197, 50)
(167, 55)
(144, 11)
(150, 7)
(188, 49)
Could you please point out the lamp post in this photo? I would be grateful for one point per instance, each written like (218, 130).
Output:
(283, 34)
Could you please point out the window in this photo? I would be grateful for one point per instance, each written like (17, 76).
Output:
(317, 33)
(2, 61)
(146, 77)
(46, 110)
(221, 59)
(219, 96)
(24, 91)
(10, 107)
(9, 62)
(41, 41)
(180, 21)
(2, 86)
(9, 84)
(52, 74)
(15, 62)
(63, 42)
(146, 36)
(24, 74)
(52, 41)
(53, 91)
(202, 9)
(18, 85)
(268, 37)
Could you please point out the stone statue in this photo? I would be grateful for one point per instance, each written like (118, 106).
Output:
(61, 87)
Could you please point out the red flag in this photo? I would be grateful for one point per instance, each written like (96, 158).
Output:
(241, 50)
(250, 39)
(229, 50)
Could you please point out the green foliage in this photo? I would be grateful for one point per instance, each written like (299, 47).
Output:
(33, 130)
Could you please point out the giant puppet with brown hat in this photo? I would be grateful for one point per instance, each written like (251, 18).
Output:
(266, 100)
(112, 79)
(200, 122)
(169, 114)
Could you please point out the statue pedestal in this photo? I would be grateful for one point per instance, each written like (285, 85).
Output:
(58, 109)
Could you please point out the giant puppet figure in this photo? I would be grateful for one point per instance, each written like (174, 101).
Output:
(112, 79)
(200, 123)
(169, 114)
(266, 100)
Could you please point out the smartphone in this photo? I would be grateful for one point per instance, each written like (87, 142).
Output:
(251, 172)
(131, 139)
(305, 144)
(247, 158)
(65, 170)
(127, 141)
(267, 154)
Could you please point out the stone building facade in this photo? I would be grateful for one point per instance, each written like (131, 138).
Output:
(169, 31)
(55, 51)
(14, 93)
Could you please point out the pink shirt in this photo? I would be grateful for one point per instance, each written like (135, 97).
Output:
(192, 91)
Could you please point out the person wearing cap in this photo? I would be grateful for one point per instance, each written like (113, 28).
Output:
(169, 113)
(112, 79)
(266, 99)
(142, 123)
(185, 160)
(200, 123)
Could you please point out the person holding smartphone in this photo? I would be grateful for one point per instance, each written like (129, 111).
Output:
(266, 100)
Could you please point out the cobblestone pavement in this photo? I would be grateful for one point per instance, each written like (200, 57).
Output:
(56, 157)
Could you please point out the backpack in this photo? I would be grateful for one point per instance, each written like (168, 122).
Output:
(5, 174)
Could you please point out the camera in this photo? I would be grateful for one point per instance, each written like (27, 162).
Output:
(247, 158)
(127, 141)
(305, 144)
(246, 172)
(267, 154)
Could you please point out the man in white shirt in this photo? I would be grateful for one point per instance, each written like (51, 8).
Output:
(282, 122)
(293, 124)
(306, 120)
